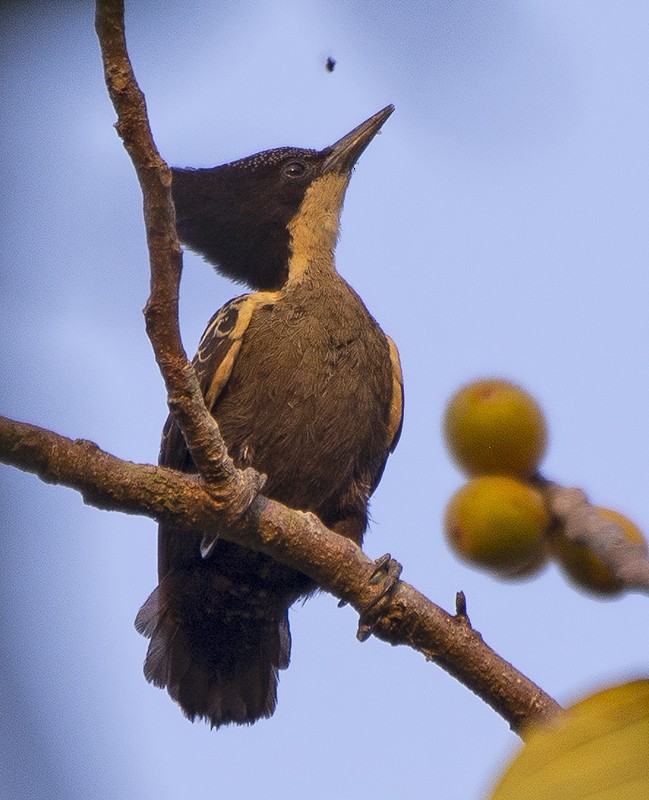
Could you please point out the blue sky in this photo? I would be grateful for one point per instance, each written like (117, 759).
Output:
(498, 226)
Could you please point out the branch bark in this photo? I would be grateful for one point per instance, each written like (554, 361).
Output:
(209, 453)
(292, 537)
(579, 521)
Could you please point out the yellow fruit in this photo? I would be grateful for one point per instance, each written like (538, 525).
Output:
(494, 426)
(499, 523)
(585, 568)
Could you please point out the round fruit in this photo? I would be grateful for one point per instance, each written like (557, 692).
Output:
(499, 523)
(586, 569)
(494, 426)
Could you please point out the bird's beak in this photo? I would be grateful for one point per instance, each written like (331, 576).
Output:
(341, 156)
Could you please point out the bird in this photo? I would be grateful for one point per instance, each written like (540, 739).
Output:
(305, 387)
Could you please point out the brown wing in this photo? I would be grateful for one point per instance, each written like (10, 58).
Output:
(395, 423)
(213, 364)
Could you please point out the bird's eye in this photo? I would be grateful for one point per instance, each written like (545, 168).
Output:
(294, 169)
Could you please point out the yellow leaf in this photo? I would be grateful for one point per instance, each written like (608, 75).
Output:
(597, 750)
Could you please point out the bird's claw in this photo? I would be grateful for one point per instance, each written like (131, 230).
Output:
(388, 570)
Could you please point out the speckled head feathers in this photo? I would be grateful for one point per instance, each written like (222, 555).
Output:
(237, 215)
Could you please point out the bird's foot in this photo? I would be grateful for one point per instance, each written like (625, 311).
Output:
(387, 570)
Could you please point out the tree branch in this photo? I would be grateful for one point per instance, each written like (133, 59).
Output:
(581, 522)
(296, 539)
(236, 488)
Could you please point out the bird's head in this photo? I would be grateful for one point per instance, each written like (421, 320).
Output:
(253, 217)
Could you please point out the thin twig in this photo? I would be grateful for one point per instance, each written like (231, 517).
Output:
(209, 453)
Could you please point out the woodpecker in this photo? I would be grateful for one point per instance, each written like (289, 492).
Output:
(305, 387)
